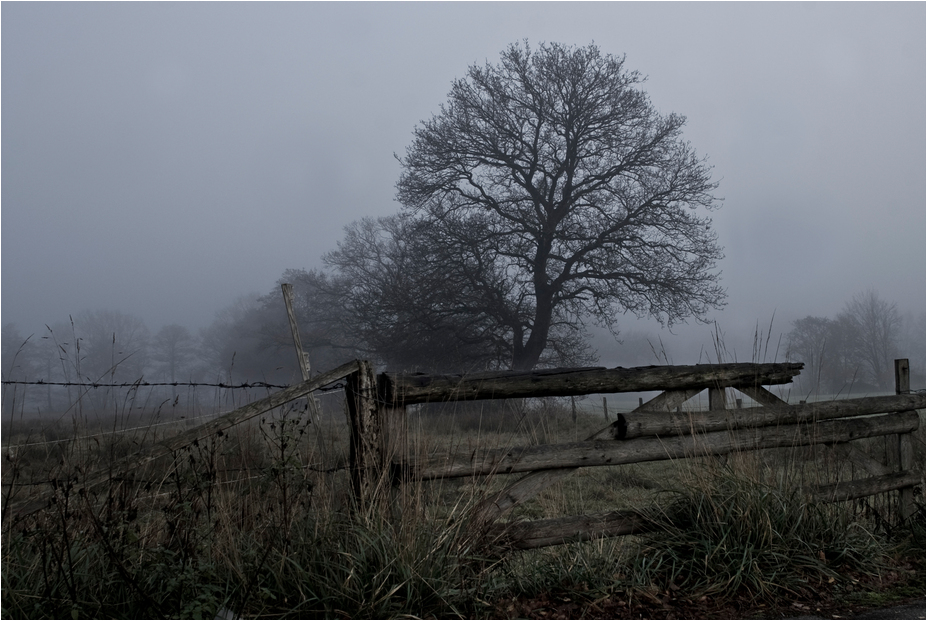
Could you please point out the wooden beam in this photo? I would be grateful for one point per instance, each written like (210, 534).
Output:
(524, 535)
(404, 388)
(638, 424)
(484, 462)
(904, 443)
(761, 395)
(366, 443)
(850, 490)
(667, 401)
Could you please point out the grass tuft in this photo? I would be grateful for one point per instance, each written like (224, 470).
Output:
(728, 534)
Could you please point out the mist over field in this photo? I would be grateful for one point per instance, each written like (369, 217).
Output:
(164, 165)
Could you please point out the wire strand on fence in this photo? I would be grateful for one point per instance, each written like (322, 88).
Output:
(136, 384)
(139, 384)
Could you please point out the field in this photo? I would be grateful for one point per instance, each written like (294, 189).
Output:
(260, 521)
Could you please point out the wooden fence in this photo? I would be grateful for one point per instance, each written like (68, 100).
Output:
(653, 431)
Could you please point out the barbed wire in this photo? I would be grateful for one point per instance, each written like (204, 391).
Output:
(135, 384)
(241, 386)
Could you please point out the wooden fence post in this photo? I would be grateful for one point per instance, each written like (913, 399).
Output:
(303, 360)
(905, 445)
(366, 455)
(717, 399)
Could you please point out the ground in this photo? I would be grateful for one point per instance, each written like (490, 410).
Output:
(899, 591)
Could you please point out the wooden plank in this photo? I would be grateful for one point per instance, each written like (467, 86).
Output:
(484, 462)
(904, 444)
(717, 399)
(366, 442)
(301, 356)
(524, 535)
(638, 424)
(761, 395)
(667, 401)
(303, 360)
(399, 388)
(850, 490)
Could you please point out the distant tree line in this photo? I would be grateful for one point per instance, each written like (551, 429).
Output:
(250, 341)
(855, 349)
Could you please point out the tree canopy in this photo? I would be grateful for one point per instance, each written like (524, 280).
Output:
(548, 190)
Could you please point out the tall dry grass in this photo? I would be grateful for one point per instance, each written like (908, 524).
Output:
(260, 521)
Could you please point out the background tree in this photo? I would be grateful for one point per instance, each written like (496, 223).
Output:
(876, 325)
(325, 335)
(808, 343)
(174, 355)
(550, 190)
(112, 346)
(855, 350)
(234, 347)
(400, 302)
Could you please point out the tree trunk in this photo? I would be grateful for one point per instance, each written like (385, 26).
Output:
(527, 356)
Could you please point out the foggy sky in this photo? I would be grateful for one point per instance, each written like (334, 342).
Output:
(164, 159)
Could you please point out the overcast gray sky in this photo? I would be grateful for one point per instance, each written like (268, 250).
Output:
(162, 159)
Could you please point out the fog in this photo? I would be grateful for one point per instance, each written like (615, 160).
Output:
(163, 160)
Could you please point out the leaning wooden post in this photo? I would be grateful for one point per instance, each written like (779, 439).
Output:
(303, 359)
(366, 458)
(905, 445)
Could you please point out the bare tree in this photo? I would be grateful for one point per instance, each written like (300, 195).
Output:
(404, 306)
(111, 345)
(808, 343)
(876, 325)
(827, 347)
(326, 337)
(550, 189)
(234, 347)
(174, 354)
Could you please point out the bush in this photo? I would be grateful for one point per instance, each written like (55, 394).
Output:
(729, 534)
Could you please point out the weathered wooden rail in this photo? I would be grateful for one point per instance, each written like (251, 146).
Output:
(649, 433)
(653, 431)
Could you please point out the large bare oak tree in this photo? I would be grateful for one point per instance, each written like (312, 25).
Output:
(554, 190)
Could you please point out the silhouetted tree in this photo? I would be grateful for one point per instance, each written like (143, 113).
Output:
(174, 355)
(323, 330)
(808, 343)
(548, 190)
(396, 296)
(112, 346)
(875, 325)
(235, 349)
(855, 349)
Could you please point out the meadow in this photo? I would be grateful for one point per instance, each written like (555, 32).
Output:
(259, 522)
